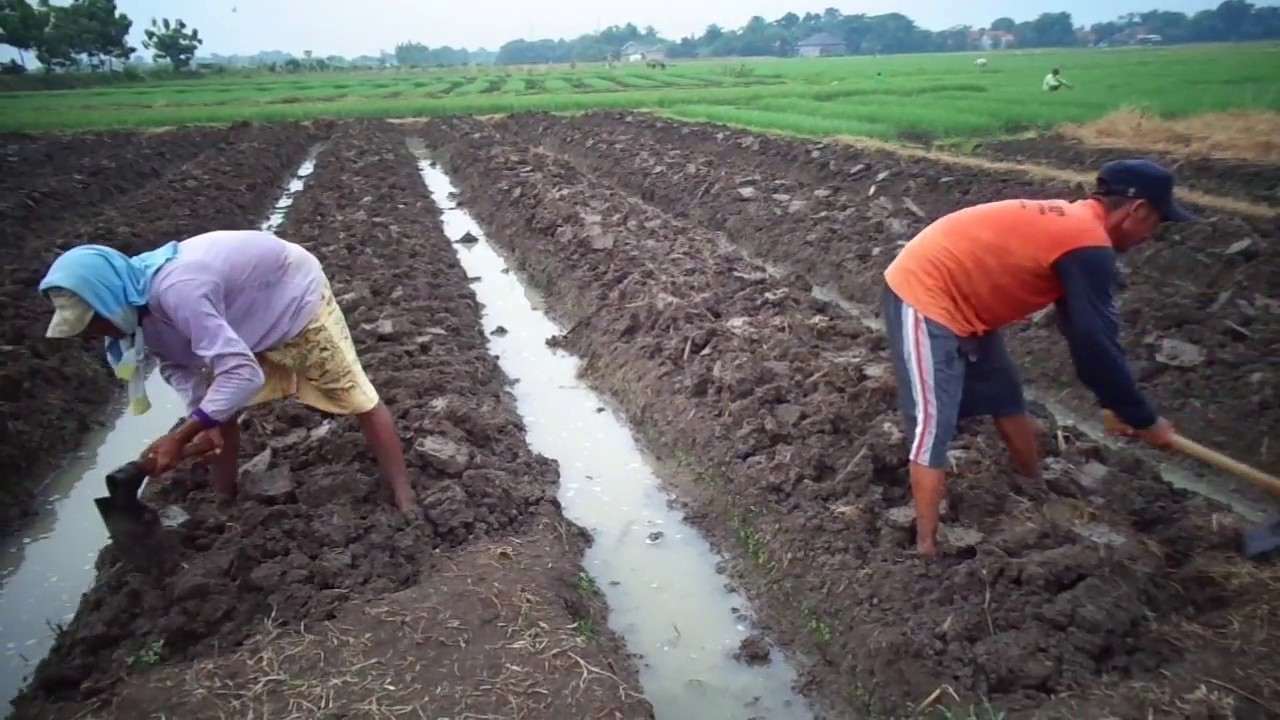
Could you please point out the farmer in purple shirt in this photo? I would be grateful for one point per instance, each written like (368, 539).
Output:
(233, 318)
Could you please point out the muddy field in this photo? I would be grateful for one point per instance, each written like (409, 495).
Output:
(1251, 181)
(682, 258)
(130, 191)
(838, 215)
(310, 592)
(1099, 591)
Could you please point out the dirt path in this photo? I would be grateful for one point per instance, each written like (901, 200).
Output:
(839, 214)
(311, 593)
(1098, 591)
(1253, 181)
(53, 392)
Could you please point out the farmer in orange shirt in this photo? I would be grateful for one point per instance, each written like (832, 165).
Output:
(975, 271)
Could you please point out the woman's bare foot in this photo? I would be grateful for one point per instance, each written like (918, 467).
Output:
(407, 503)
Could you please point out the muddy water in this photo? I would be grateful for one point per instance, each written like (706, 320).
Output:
(657, 573)
(47, 566)
(44, 570)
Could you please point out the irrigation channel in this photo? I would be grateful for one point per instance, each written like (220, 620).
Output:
(657, 572)
(46, 567)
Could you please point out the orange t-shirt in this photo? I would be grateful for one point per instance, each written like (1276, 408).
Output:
(984, 267)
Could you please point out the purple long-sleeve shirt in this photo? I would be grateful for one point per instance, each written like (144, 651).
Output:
(227, 295)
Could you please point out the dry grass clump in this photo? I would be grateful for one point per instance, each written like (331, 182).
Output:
(1252, 135)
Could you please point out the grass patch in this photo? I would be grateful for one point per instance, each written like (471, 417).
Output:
(587, 584)
(597, 83)
(941, 96)
(149, 656)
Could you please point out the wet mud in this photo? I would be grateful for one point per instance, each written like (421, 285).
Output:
(313, 543)
(48, 182)
(839, 214)
(1097, 591)
(52, 392)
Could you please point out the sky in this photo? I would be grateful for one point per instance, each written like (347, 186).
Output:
(343, 27)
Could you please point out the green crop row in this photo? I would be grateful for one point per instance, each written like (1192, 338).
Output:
(945, 95)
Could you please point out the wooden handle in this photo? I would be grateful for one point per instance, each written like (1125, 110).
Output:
(1267, 482)
(1191, 448)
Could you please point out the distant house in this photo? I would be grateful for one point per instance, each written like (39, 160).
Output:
(996, 40)
(820, 45)
(1137, 35)
(635, 52)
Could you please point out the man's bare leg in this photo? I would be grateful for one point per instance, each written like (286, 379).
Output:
(379, 430)
(1019, 433)
(927, 487)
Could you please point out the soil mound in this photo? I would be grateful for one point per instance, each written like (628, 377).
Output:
(839, 214)
(321, 532)
(1099, 589)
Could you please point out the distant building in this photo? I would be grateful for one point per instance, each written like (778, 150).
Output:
(821, 45)
(635, 52)
(1137, 35)
(996, 40)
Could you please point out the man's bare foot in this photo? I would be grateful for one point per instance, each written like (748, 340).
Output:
(927, 549)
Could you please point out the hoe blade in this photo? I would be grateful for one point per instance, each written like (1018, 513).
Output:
(1263, 539)
(130, 522)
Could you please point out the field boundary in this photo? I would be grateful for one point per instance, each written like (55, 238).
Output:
(1049, 172)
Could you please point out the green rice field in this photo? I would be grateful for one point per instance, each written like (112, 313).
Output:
(936, 96)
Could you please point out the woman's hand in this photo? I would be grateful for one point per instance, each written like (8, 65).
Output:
(169, 451)
(163, 455)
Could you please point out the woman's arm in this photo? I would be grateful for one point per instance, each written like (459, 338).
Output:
(188, 382)
(236, 375)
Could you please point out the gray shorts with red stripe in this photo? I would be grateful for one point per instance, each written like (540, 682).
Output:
(943, 377)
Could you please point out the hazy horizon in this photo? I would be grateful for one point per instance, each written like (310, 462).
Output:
(329, 27)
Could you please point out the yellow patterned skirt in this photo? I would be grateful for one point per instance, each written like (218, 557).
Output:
(319, 367)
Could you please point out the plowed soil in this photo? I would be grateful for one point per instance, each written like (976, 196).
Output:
(117, 191)
(838, 214)
(1250, 181)
(1099, 591)
(311, 592)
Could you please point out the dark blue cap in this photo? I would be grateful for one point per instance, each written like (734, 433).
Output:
(1142, 180)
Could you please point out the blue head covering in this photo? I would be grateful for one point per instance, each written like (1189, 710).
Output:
(115, 286)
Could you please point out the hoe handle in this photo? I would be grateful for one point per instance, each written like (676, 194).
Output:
(1191, 448)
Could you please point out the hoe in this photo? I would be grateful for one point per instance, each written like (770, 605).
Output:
(1258, 541)
(132, 523)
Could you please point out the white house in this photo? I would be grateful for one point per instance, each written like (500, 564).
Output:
(820, 45)
(635, 52)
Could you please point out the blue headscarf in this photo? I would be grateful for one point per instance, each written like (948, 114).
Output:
(115, 286)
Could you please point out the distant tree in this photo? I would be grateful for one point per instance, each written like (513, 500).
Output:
(20, 26)
(102, 31)
(955, 38)
(788, 21)
(1048, 30)
(1004, 24)
(59, 42)
(172, 41)
(63, 35)
(1105, 30)
(1233, 16)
